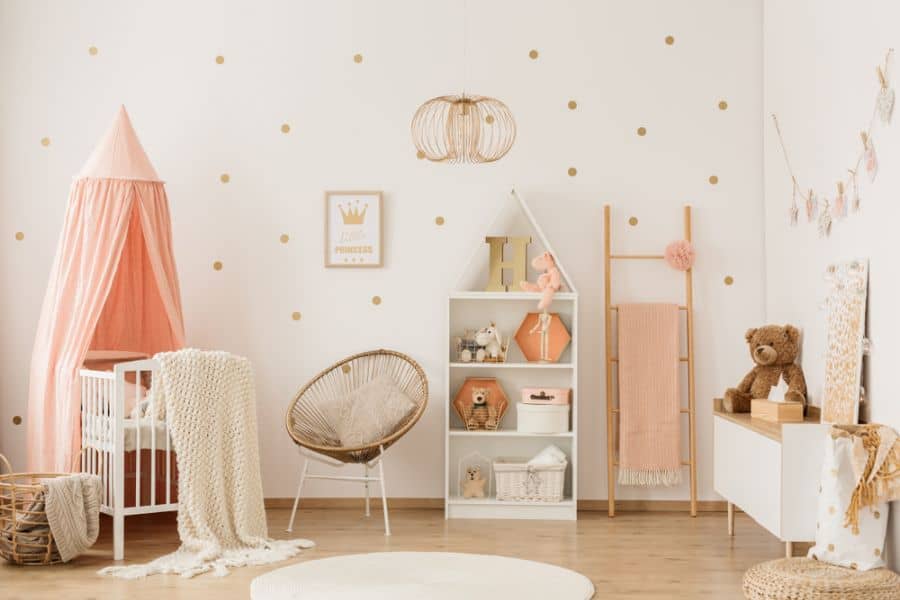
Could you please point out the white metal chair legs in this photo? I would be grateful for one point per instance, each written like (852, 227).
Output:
(387, 521)
(365, 480)
(366, 483)
(290, 526)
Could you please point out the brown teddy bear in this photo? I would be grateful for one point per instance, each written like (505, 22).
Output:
(774, 349)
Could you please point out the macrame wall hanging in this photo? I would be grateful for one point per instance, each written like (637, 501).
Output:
(824, 209)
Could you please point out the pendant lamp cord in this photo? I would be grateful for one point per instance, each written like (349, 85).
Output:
(465, 47)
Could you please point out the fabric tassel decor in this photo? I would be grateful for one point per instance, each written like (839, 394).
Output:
(876, 466)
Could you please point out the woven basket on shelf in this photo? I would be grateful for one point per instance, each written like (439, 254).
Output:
(806, 579)
(519, 481)
(25, 537)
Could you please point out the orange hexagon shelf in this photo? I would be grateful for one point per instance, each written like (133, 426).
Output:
(481, 403)
(532, 341)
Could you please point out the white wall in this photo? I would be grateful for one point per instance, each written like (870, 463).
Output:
(820, 59)
(292, 62)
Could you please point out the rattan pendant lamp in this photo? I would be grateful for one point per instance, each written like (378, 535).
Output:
(465, 128)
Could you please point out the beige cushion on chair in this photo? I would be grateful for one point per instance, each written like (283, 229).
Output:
(372, 412)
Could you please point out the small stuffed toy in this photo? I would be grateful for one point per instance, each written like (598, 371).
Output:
(548, 282)
(482, 415)
(473, 484)
(489, 338)
(774, 349)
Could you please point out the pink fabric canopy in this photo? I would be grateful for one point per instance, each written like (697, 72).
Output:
(113, 286)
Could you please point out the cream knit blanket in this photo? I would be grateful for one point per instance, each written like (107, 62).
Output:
(73, 512)
(211, 410)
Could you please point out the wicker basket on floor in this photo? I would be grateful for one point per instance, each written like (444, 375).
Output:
(25, 537)
(806, 579)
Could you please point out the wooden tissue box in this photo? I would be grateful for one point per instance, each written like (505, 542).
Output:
(776, 412)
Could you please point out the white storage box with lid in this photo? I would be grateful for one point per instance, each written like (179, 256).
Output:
(519, 481)
(542, 418)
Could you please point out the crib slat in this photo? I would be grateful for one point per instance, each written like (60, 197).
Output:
(86, 430)
(112, 443)
(168, 462)
(151, 403)
(101, 437)
(106, 454)
(95, 426)
(84, 385)
(88, 458)
(137, 437)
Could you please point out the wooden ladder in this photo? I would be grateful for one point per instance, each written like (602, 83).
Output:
(612, 409)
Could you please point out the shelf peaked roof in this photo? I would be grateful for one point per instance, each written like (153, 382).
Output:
(514, 218)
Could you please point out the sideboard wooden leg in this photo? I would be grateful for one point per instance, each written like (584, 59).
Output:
(788, 549)
(730, 518)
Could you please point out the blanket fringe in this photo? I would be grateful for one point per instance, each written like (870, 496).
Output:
(189, 564)
(649, 477)
(879, 480)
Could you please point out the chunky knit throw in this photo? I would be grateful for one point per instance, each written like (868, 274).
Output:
(211, 409)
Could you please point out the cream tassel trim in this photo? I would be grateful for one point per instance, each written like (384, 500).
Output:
(650, 477)
(189, 564)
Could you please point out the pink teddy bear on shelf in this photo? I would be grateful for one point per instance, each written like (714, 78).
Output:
(548, 282)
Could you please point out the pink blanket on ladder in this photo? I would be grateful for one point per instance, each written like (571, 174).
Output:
(649, 406)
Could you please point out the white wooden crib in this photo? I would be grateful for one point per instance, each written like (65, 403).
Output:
(112, 435)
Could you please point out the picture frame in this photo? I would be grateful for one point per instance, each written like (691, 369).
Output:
(354, 228)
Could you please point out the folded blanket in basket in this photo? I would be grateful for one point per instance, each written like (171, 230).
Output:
(28, 535)
(73, 511)
(551, 455)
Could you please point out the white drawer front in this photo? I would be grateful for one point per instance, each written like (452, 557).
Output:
(747, 472)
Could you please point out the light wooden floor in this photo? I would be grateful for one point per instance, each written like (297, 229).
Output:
(635, 555)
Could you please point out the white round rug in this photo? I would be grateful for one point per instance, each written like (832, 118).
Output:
(419, 576)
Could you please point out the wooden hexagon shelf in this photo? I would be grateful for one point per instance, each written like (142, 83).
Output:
(477, 416)
(558, 338)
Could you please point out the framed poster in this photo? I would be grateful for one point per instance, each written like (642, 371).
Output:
(353, 229)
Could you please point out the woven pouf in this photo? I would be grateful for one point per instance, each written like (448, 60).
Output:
(805, 579)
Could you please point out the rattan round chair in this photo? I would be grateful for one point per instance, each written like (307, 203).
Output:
(317, 438)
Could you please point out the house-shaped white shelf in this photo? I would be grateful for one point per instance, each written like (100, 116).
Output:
(469, 307)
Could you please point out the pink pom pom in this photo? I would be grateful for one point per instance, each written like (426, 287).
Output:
(680, 255)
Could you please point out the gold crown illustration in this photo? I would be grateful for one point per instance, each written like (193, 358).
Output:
(353, 216)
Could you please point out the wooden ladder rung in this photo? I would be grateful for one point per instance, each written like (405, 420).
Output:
(683, 410)
(681, 358)
(637, 256)
(616, 307)
(684, 463)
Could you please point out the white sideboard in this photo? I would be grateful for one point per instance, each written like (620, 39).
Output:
(770, 471)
